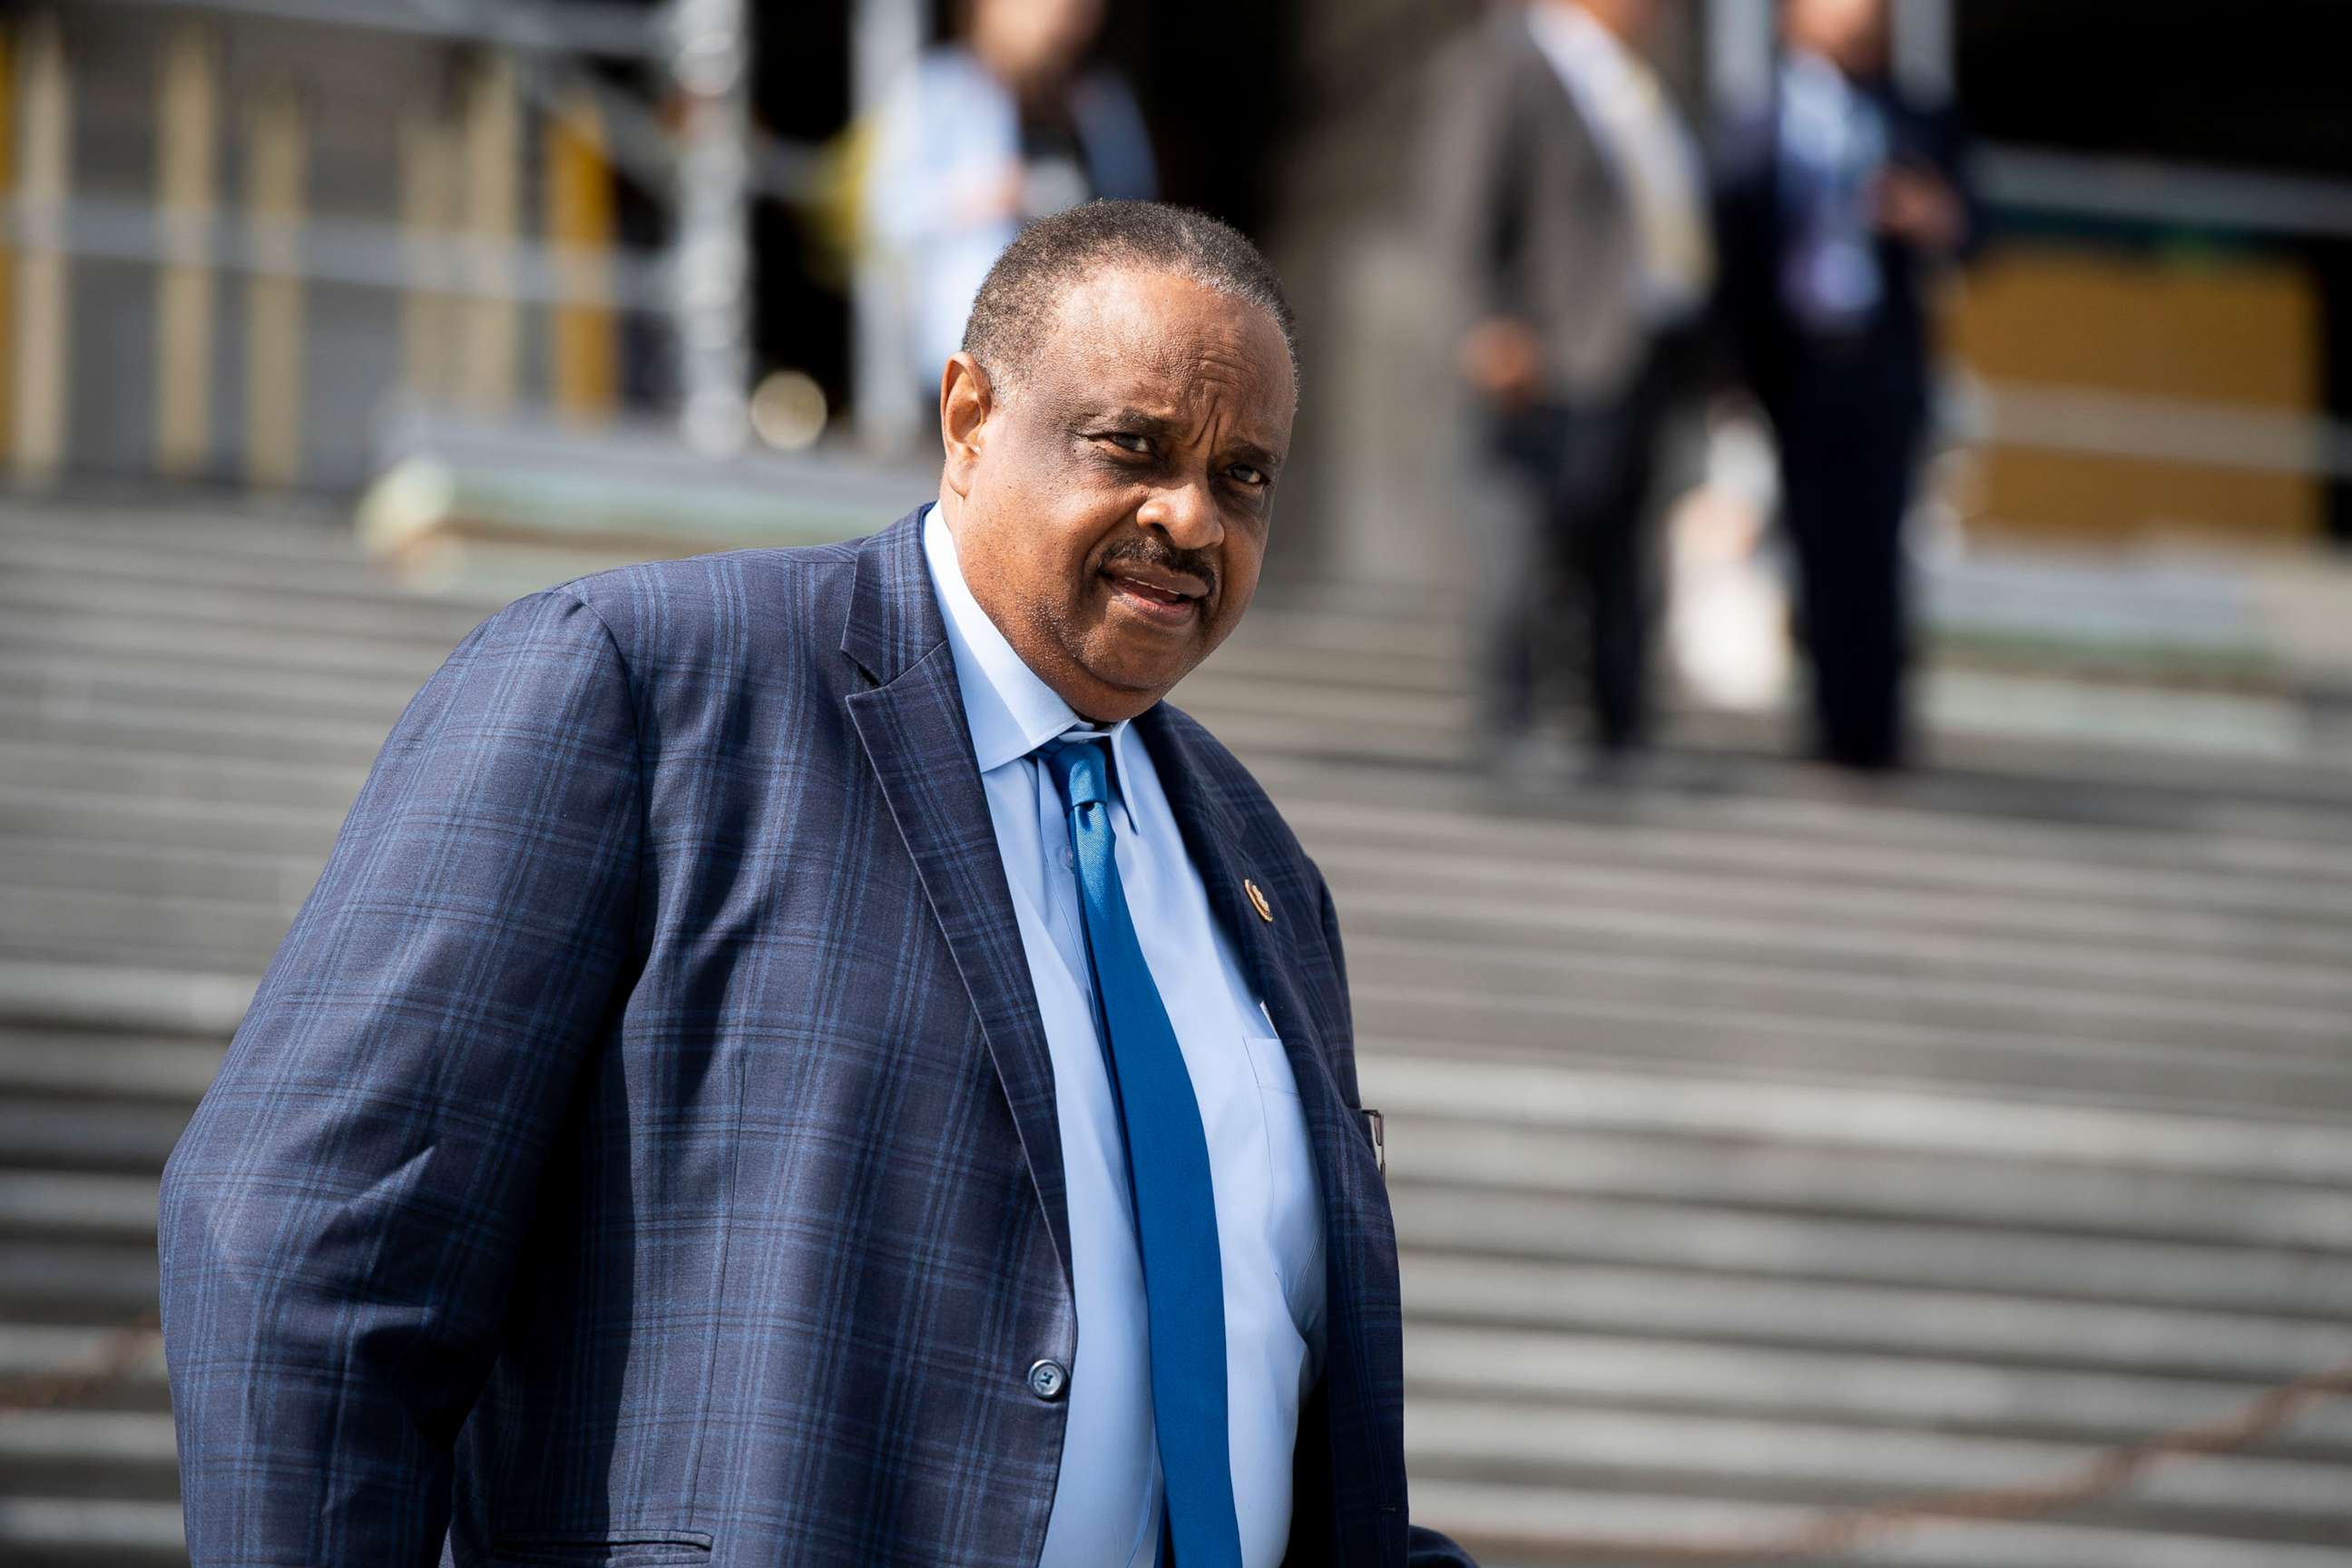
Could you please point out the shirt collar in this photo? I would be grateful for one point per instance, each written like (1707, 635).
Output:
(1011, 711)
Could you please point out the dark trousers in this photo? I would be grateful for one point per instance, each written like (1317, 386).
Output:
(1572, 536)
(1848, 433)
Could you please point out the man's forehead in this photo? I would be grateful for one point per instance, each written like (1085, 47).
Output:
(1159, 334)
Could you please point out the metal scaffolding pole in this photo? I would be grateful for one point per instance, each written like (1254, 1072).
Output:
(1738, 53)
(1923, 47)
(708, 56)
(885, 39)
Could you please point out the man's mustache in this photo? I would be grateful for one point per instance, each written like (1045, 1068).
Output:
(1145, 551)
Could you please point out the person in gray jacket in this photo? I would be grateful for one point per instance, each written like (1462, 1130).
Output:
(1567, 199)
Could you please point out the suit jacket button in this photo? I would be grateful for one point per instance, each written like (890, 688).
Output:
(1047, 1379)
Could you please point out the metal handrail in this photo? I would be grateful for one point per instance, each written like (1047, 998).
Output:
(338, 250)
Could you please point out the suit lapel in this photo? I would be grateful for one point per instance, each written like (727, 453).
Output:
(1363, 1377)
(1218, 846)
(915, 734)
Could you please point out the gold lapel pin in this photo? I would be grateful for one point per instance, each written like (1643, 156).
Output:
(1257, 902)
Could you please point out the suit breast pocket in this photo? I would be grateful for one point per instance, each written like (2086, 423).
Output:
(1290, 1208)
(1269, 1065)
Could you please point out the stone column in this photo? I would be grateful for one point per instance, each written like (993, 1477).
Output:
(277, 200)
(39, 365)
(584, 371)
(187, 165)
(428, 223)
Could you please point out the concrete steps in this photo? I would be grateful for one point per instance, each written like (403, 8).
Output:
(1756, 1149)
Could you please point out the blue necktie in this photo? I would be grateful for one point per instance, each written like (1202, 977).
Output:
(1168, 1170)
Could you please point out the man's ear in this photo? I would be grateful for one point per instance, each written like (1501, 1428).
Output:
(966, 402)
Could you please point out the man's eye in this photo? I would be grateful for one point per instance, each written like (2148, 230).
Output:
(1244, 474)
(1126, 441)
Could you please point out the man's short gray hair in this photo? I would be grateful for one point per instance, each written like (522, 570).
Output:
(1016, 303)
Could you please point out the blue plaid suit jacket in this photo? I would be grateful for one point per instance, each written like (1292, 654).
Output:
(642, 1149)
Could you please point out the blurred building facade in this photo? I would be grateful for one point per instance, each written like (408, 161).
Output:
(242, 236)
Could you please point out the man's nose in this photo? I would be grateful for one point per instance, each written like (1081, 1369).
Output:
(1186, 513)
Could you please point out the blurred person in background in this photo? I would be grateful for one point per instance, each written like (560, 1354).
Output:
(1833, 200)
(1007, 124)
(1569, 200)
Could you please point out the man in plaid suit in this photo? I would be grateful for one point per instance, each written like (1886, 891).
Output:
(699, 1117)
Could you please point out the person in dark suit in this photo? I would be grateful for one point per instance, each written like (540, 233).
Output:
(801, 1057)
(1568, 201)
(1833, 199)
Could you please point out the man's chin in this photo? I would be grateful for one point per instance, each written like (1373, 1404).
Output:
(1133, 683)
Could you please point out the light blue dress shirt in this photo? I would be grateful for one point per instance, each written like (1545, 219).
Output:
(1269, 1225)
